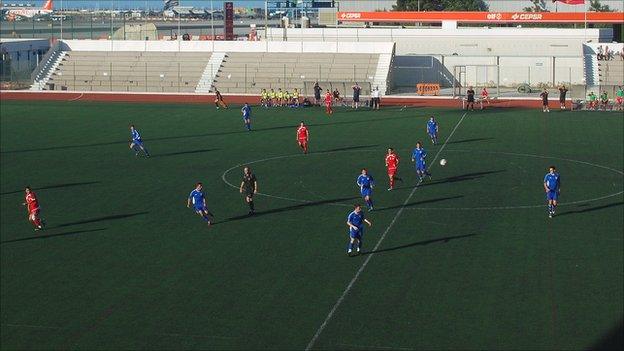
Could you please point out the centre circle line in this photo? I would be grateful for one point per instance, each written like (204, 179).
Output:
(488, 208)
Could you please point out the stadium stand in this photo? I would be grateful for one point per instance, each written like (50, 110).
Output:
(129, 71)
(199, 67)
(250, 72)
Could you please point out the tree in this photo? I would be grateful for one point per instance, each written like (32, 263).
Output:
(596, 6)
(441, 5)
(538, 6)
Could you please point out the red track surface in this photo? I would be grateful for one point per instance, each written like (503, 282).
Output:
(420, 101)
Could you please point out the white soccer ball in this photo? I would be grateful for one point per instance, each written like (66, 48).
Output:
(443, 162)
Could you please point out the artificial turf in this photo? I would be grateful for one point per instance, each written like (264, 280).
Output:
(470, 259)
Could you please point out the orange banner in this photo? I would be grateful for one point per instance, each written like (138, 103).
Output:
(483, 17)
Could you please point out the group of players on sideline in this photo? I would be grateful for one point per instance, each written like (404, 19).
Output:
(365, 181)
(592, 102)
(279, 98)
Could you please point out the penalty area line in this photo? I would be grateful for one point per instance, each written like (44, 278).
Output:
(381, 239)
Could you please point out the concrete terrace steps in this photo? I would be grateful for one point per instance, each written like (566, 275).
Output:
(129, 71)
(245, 72)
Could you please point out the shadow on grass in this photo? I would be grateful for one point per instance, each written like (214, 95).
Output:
(101, 219)
(468, 140)
(54, 186)
(612, 340)
(75, 232)
(591, 209)
(288, 208)
(462, 177)
(421, 243)
(347, 148)
(183, 153)
(149, 140)
(440, 199)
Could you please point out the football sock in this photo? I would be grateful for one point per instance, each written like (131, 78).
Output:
(350, 246)
(369, 203)
(359, 244)
(251, 205)
(145, 151)
(206, 218)
(391, 182)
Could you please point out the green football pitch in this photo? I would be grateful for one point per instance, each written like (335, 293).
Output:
(467, 260)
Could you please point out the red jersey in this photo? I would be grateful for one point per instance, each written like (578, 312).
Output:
(392, 161)
(484, 93)
(302, 133)
(31, 202)
(328, 98)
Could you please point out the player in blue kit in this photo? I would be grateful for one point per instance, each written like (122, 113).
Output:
(432, 130)
(355, 222)
(137, 142)
(198, 200)
(552, 186)
(246, 111)
(419, 155)
(366, 183)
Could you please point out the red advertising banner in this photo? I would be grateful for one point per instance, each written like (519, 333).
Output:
(483, 17)
(229, 20)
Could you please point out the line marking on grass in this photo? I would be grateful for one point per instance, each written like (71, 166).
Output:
(78, 98)
(198, 336)
(372, 347)
(29, 326)
(381, 239)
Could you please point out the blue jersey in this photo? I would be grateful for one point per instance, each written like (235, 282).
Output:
(197, 198)
(419, 155)
(356, 219)
(135, 135)
(365, 181)
(552, 181)
(432, 127)
(246, 110)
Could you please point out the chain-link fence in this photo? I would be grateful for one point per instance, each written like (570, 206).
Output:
(502, 76)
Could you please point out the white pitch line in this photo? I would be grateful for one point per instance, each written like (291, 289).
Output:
(29, 326)
(381, 239)
(487, 208)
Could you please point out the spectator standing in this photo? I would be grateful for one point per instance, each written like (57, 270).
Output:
(470, 98)
(376, 100)
(544, 96)
(356, 95)
(317, 94)
(600, 54)
(562, 96)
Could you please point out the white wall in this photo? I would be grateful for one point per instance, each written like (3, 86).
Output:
(228, 46)
(464, 41)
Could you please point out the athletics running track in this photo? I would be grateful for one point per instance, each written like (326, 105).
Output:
(416, 101)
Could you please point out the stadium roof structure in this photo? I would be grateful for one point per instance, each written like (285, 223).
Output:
(482, 17)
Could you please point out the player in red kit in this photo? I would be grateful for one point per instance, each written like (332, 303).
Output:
(392, 164)
(485, 97)
(328, 103)
(302, 137)
(33, 208)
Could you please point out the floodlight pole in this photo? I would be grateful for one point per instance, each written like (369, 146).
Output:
(212, 24)
(61, 19)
